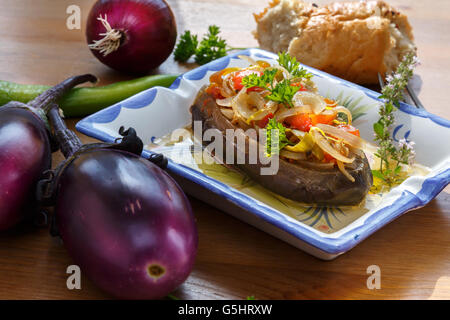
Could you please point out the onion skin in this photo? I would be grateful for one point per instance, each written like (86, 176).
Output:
(24, 154)
(118, 215)
(149, 31)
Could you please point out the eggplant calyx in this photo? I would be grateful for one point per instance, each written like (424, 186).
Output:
(46, 195)
(130, 141)
(42, 115)
(45, 189)
(159, 159)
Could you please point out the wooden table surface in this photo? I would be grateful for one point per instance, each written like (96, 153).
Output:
(234, 259)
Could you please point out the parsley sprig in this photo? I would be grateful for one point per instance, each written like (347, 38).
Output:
(186, 47)
(263, 81)
(390, 154)
(283, 91)
(211, 47)
(275, 137)
(293, 66)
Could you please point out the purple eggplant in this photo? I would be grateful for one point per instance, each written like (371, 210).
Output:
(123, 220)
(25, 151)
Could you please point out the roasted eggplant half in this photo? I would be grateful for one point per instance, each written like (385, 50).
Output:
(320, 154)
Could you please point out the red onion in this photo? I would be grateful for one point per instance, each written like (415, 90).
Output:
(132, 36)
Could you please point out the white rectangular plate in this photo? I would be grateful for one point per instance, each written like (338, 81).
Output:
(321, 231)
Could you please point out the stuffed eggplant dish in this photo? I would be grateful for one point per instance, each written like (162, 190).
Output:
(320, 153)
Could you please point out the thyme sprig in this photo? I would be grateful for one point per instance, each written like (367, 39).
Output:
(393, 155)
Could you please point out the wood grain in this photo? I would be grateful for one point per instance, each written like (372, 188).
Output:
(234, 260)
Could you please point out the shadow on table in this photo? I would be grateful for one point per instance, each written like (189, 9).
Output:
(236, 260)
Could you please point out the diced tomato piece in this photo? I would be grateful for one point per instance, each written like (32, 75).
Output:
(301, 121)
(322, 118)
(264, 121)
(217, 77)
(256, 89)
(328, 158)
(237, 80)
(214, 90)
(298, 84)
(349, 129)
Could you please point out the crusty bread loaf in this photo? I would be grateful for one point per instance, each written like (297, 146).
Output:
(352, 40)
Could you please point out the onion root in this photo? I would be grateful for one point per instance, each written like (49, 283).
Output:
(111, 41)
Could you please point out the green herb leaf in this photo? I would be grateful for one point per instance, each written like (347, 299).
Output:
(186, 47)
(283, 93)
(391, 155)
(277, 131)
(389, 107)
(378, 128)
(211, 47)
(264, 81)
(378, 174)
(293, 66)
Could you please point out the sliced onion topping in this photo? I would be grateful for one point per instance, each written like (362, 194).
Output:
(316, 102)
(323, 144)
(347, 137)
(224, 102)
(293, 155)
(228, 113)
(258, 115)
(344, 171)
(284, 113)
(227, 86)
(257, 100)
(240, 105)
(298, 133)
(286, 74)
(340, 109)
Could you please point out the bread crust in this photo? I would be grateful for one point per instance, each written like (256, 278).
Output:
(352, 40)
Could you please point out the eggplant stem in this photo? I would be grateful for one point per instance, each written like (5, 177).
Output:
(111, 41)
(129, 142)
(159, 159)
(55, 93)
(68, 141)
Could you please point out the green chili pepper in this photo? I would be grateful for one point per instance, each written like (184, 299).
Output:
(80, 102)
